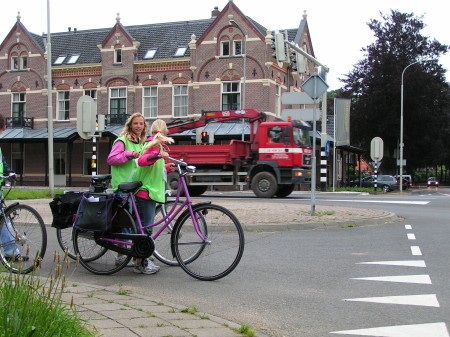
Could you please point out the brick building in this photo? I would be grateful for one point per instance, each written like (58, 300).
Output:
(166, 70)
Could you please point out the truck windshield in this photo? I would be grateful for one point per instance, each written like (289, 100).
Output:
(302, 137)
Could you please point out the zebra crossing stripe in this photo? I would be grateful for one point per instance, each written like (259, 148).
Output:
(414, 330)
(419, 279)
(420, 300)
(406, 263)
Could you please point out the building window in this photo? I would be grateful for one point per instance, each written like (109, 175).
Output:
(92, 93)
(237, 47)
(225, 48)
(17, 159)
(23, 62)
(59, 157)
(180, 51)
(73, 59)
(87, 158)
(18, 108)
(14, 62)
(150, 54)
(117, 55)
(231, 96)
(117, 105)
(60, 59)
(180, 101)
(150, 102)
(62, 112)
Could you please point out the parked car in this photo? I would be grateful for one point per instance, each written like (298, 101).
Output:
(385, 182)
(432, 181)
(407, 181)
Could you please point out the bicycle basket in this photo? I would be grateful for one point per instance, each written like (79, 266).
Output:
(64, 209)
(94, 213)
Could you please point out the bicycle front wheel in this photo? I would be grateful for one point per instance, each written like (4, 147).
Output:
(219, 253)
(98, 259)
(64, 237)
(28, 239)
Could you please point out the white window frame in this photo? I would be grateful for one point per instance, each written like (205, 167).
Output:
(180, 100)
(63, 105)
(228, 90)
(150, 54)
(60, 59)
(150, 101)
(118, 56)
(118, 94)
(92, 93)
(181, 51)
(23, 62)
(18, 99)
(73, 58)
(222, 45)
(235, 42)
(15, 62)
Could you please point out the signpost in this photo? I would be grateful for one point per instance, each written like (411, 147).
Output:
(376, 153)
(314, 87)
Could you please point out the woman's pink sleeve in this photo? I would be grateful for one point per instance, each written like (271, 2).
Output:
(118, 155)
(143, 160)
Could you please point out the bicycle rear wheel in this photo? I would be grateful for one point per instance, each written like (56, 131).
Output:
(95, 258)
(220, 253)
(29, 236)
(64, 237)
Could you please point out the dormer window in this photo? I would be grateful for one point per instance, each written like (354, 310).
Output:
(73, 59)
(150, 53)
(180, 51)
(117, 55)
(60, 59)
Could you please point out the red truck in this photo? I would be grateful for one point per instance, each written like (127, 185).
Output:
(277, 156)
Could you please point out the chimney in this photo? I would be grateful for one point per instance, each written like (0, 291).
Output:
(215, 13)
(74, 30)
(69, 28)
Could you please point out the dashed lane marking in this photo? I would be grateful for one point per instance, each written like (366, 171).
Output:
(411, 236)
(419, 279)
(414, 330)
(420, 300)
(406, 263)
(415, 250)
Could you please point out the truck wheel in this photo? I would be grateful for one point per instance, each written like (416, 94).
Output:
(284, 190)
(172, 182)
(264, 185)
(195, 191)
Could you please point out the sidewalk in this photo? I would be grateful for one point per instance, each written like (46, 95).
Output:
(116, 312)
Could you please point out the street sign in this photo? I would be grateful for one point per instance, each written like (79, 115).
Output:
(315, 86)
(301, 114)
(376, 149)
(296, 98)
(86, 116)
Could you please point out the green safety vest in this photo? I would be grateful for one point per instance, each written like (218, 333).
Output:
(1, 165)
(124, 173)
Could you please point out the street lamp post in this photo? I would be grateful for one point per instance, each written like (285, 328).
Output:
(244, 55)
(401, 123)
(51, 172)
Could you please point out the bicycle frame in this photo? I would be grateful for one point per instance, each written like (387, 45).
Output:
(184, 169)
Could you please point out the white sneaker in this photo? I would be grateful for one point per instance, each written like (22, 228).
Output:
(146, 267)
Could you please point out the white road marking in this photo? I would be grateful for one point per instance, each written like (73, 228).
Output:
(386, 201)
(411, 236)
(407, 263)
(408, 226)
(420, 279)
(415, 250)
(414, 330)
(422, 300)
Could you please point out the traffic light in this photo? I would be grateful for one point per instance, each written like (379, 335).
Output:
(204, 137)
(279, 47)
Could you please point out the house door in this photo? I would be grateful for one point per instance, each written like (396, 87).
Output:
(59, 160)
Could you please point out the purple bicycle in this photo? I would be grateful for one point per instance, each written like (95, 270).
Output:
(206, 240)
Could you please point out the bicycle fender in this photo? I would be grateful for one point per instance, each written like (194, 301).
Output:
(181, 217)
(11, 206)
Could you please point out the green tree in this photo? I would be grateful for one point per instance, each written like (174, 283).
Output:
(374, 85)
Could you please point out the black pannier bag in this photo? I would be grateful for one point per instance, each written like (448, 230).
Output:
(95, 212)
(64, 209)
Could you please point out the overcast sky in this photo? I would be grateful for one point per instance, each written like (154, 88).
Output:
(338, 28)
